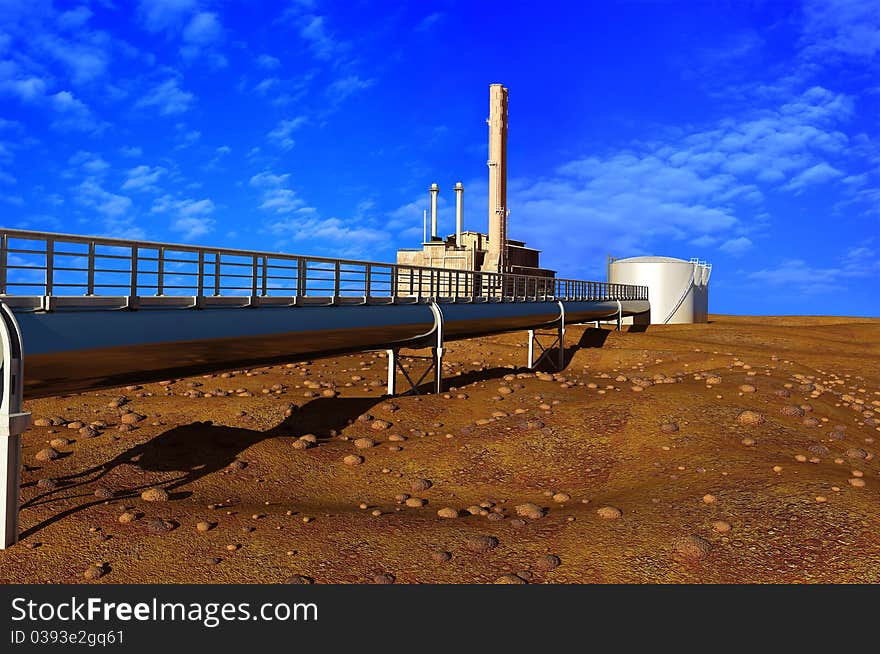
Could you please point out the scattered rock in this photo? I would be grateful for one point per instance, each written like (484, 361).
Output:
(104, 493)
(792, 410)
(364, 443)
(548, 562)
(415, 502)
(447, 512)
(155, 495)
(420, 485)
(669, 427)
(127, 518)
(440, 556)
(510, 579)
(691, 547)
(750, 418)
(131, 418)
(609, 512)
(530, 511)
(561, 497)
(480, 544)
(721, 526)
(47, 483)
(383, 579)
(59, 442)
(159, 527)
(379, 425)
(47, 454)
(353, 460)
(93, 572)
(299, 579)
(204, 526)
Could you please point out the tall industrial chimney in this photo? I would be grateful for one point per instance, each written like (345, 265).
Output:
(496, 257)
(459, 212)
(435, 191)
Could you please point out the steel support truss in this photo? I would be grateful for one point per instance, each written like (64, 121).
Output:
(432, 339)
(13, 422)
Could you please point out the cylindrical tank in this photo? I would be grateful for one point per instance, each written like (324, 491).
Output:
(678, 290)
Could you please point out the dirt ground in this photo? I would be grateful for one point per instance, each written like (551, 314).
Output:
(635, 463)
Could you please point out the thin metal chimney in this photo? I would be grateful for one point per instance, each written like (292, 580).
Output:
(496, 256)
(435, 191)
(459, 212)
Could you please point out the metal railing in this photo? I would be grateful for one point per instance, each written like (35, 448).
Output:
(63, 266)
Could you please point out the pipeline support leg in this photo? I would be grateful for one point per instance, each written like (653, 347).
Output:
(561, 338)
(392, 371)
(438, 369)
(531, 349)
(10, 468)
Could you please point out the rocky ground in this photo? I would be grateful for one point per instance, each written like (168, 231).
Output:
(738, 451)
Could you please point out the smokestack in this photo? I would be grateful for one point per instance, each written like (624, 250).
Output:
(459, 212)
(496, 256)
(435, 191)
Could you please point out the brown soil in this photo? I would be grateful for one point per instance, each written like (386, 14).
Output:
(269, 510)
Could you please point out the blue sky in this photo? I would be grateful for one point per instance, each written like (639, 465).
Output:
(743, 133)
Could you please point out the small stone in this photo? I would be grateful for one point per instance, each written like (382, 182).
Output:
(155, 495)
(548, 562)
(380, 425)
(415, 502)
(691, 547)
(131, 418)
(750, 418)
(160, 526)
(510, 579)
(561, 497)
(59, 442)
(747, 388)
(708, 498)
(104, 493)
(127, 517)
(480, 544)
(856, 482)
(669, 427)
(299, 579)
(440, 556)
(364, 443)
(47, 483)
(93, 572)
(420, 485)
(383, 579)
(447, 512)
(353, 460)
(204, 526)
(530, 511)
(748, 441)
(609, 512)
(47, 454)
(721, 526)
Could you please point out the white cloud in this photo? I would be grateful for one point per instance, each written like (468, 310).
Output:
(276, 196)
(428, 21)
(736, 246)
(168, 98)
(74, 18)
(848, 28)
(91, 194)
(821, 173)
(281, 135)
(343, 87)
(190, 217)
(89, 163)
(203, 28)
(321, 42)
(142, 178)
(267, 62)
(158, 15)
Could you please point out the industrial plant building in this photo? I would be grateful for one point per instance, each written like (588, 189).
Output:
(470, 250)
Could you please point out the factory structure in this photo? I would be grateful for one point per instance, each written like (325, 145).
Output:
(678, 289)
(470, 250)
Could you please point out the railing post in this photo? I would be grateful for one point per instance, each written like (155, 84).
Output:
(337, 273)
(265, 284)
(254, 276)
(395, 291)
(160, 276)
(90, 272)
(200, 283)
(133, 285)
(50, 265)
(4, 245)
(301, 278)
(368, 274)
(216, 274)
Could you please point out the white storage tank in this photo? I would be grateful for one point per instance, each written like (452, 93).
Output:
(678, 290)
